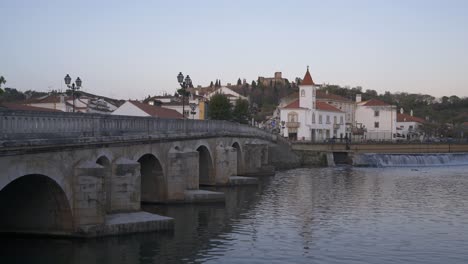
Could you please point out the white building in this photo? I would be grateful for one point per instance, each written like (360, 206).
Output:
(231, 95)
(409, 126)
(377, 118)
(346, 105)
(135, 108)
(83, 103)
(309, 119)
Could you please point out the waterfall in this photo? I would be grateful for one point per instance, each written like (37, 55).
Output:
(408, 160)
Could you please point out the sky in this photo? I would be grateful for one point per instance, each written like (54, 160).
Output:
(132, 49)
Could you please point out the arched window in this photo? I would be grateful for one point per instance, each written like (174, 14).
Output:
(302, 92)
(292, 117)
(313, 118)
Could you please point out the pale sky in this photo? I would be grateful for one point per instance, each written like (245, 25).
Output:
(130, 49)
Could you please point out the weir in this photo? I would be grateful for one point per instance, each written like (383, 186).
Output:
(409, 160)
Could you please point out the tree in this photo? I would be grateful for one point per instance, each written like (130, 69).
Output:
(241, 111)
(253, 85)
(219, 107)
(2, 81)
(239, 82)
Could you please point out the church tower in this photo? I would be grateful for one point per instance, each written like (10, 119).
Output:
(307, 92)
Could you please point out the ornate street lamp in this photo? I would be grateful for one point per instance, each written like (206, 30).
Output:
(184, 84)
(73, 86)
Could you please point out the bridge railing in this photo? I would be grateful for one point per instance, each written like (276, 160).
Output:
(19, 125)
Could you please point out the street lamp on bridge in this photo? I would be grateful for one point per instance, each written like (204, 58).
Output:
(74, 86)
(184, 84)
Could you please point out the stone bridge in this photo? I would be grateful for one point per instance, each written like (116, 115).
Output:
(86, 175)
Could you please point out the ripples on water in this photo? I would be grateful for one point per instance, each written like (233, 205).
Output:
(329, 215)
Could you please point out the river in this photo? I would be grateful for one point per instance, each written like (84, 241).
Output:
(307, 215)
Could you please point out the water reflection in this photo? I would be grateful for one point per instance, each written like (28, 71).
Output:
(329, 215)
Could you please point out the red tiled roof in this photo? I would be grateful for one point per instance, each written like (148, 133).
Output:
(374, 102)
(157, 111)
(307, 78)
(294, 104)
(47, 99)
(320, 106)
(329, 96)
(326, 107)
(409, 118)
(22, 107)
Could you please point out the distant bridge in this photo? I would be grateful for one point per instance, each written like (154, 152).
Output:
(83, 174)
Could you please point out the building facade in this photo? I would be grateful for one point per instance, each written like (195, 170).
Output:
(309, 119)
(409, 127)
(377, 119)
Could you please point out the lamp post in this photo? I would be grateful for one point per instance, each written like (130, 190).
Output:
(192, 107)
(74, 86)
(184, 84)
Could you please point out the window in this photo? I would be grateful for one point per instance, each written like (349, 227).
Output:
(334, 120)
(320, 119)
(341, 119)
(328, 119)
(302, 92)
(376, 113)
(313, 105)
(186, 112)
(292, 117)
(376, 124)
(313, 118)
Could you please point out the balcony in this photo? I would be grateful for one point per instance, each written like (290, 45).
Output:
(293, 124)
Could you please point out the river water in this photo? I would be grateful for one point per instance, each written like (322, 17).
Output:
(309, 215)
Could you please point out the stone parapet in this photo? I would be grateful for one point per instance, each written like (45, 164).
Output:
(20, 125)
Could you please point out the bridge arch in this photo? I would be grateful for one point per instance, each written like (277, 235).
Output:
(107, 181)
(153, 181)
(35, 203)
(206, 173)
(240, 157)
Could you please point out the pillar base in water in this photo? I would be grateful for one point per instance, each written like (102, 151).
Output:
(239, 180)
(126, 223)
(203, 196)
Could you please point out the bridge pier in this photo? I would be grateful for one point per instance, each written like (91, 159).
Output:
(126, 189)
(89, 194)
(256, 159)
(182, 174)
(226, 164)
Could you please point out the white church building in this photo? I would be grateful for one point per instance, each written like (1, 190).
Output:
(308, 119)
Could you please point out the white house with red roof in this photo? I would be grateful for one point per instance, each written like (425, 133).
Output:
(409, 126)
(308, 119)
(377, 118)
